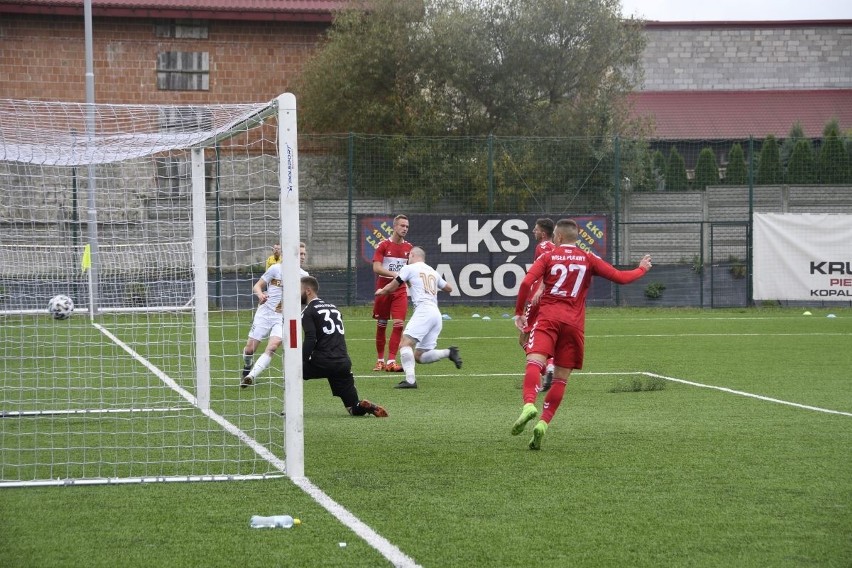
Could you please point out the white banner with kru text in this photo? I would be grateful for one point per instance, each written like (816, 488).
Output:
(802, 257)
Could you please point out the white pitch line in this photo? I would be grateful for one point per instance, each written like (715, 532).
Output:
(371, 537)
(519, 374)
(640, 335)
(646, 335)
(748, 394)
(647, 374)
(87, 411)
(592, 318)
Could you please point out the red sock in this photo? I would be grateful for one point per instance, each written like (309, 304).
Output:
(381, 339)
(532, 379)
(552, 399)
(395, 338)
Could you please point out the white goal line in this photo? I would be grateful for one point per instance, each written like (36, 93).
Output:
(14, 413)
(135, 480)
(259, 449)
(370, 536)
(188, 307)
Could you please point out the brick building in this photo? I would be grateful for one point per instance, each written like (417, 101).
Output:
(703, 80)
(158, 51)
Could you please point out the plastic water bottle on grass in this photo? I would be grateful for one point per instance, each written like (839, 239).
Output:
(274, 522)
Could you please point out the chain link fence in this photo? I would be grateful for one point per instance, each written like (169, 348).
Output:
(687, 203)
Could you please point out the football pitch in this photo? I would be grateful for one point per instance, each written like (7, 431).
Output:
(690, 438)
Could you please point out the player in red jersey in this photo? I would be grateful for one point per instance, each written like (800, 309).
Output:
(543, 233)
(560, 328)
(390, 256)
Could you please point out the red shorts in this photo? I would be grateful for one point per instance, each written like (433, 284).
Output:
(531, 312)
(565, 343)
(394, 306)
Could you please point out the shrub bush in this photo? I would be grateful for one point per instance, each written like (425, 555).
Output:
(706, 170)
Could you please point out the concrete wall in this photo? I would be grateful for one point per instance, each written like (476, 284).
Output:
(779, 56)
(676, 226)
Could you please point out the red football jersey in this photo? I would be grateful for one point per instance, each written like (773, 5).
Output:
(567, 271)
(393, 257)
(543, 246)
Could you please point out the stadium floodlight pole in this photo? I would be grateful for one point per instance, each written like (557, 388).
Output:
(288, 179)
(94, 295)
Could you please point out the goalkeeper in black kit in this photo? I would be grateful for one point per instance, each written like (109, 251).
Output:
(324, 353)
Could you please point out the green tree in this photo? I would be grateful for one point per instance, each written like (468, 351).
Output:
(706, 170)
(769, 170)
(510, 67)
(796, 133)
(847, 143)
(801, 167)
(482, 70)
(833, 158)
(363, 78)
(676, 179)
(659, 167)
(737, 171)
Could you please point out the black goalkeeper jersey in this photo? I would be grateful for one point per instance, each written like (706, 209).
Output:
(324, 344)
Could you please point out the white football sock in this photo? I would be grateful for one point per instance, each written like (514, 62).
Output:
(406, 355)
(261, 365)
(434, 355)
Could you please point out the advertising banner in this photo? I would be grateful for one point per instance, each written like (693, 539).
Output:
(484, 257)
(802, 257)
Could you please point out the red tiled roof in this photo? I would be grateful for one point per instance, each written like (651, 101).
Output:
(302, 10)
(718, 115)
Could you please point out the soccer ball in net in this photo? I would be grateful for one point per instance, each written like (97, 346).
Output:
(60, 307)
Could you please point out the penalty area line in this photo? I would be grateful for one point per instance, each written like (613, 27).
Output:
(748, 394)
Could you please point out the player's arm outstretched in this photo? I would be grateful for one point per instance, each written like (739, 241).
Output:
(608, 271)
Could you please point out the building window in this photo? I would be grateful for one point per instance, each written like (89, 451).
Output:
(183, 71)
(174, 173)
(173, 176)
(181, 29)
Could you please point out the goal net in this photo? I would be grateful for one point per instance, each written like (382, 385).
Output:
(156, 221)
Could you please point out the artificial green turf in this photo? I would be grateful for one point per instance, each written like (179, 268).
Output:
(683, 476)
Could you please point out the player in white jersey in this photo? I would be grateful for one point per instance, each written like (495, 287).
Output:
(267, 320)
(420, 336)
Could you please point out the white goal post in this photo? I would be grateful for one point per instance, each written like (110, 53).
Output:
(142, 382)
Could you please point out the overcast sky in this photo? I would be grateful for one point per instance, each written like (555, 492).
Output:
(738, 10)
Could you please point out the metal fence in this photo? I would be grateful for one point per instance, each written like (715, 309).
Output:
(689, 204)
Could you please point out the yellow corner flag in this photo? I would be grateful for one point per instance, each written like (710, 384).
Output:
(86, 263)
